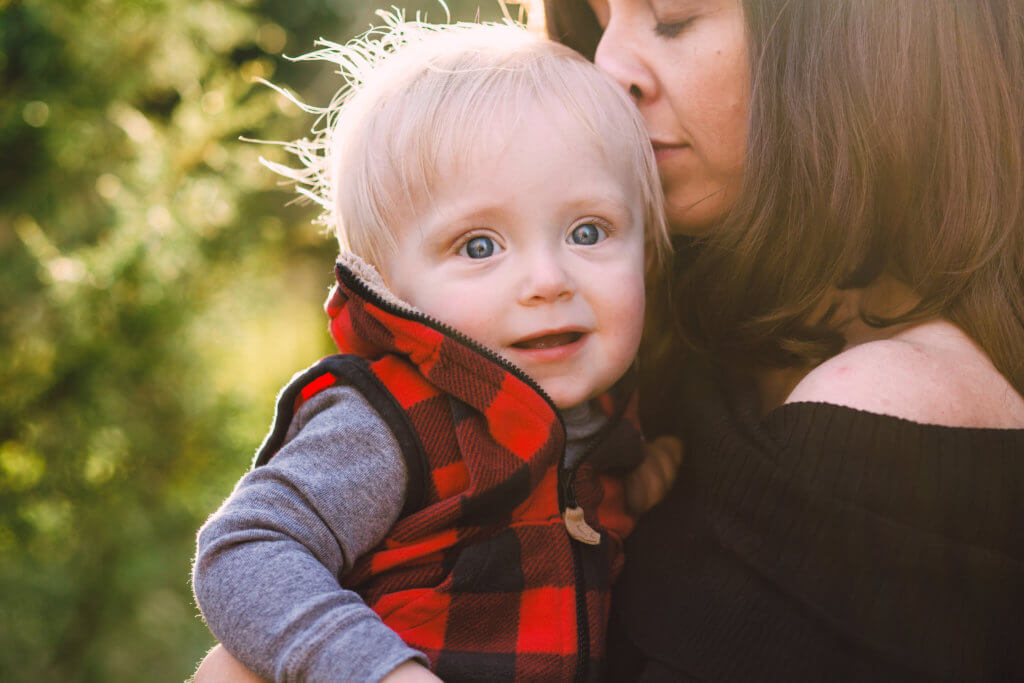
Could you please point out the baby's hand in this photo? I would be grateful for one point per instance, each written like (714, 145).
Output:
(410, 672)
(647, 484)
(219, 666)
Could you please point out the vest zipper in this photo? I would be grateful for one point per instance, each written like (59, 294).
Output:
(567, 499)
(565, 476)
(356, 284)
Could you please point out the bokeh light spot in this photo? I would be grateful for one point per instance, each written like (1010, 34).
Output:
(21, 469)
(108, 186)
(212, 102)
(36, 113)
(271, 38)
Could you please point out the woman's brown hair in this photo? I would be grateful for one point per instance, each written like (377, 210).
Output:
(886, 137)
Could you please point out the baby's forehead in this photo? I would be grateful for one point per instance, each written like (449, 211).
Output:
(466, 139)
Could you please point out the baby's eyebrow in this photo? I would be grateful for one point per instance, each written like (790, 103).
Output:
(441, 230)
(606, 202)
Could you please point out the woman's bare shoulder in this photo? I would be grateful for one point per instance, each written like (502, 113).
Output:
(932, 373)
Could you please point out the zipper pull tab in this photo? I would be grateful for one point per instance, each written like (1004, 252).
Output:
(578, 528)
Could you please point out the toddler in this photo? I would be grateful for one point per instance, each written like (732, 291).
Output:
(448, 489)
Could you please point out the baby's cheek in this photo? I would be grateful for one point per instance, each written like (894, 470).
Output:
(475, 316)
(631, 301)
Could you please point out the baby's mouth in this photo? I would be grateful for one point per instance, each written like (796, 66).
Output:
(548, 341)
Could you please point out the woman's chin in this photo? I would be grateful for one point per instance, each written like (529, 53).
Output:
(697, 214)
(692, 222)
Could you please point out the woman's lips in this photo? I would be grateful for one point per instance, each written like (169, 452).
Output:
(666, 150)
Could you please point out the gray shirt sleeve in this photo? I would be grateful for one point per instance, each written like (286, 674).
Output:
(268, 563)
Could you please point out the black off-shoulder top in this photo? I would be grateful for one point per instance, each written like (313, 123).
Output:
(825, 543)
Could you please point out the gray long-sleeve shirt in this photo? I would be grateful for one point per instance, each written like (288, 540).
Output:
(269, 562)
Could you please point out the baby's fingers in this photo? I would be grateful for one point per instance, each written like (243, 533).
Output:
(669, 452)
(653, 477)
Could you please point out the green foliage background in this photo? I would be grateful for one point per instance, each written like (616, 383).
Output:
(155, 291)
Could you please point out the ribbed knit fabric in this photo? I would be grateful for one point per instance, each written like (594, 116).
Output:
(827, 543)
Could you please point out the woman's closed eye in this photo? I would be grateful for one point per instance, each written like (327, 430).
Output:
(671, 29)
(480, 247)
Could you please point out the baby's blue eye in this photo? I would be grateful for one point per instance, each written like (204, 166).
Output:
(479, 247)
(586, 234)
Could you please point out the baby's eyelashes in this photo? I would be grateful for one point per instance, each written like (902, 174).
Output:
(479, 247)
(586, 234)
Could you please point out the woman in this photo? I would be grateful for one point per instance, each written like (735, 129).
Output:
(850, 178)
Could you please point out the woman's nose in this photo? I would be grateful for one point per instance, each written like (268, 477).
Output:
(623, 60)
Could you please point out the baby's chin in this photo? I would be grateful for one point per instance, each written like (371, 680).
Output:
(567, 395)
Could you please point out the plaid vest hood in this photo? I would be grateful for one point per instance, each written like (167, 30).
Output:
(501, 562)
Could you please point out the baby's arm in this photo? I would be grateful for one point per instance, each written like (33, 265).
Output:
(268, 562)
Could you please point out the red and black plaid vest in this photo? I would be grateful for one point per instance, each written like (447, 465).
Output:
(479, 572)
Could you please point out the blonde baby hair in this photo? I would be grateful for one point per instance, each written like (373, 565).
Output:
(414, 92)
